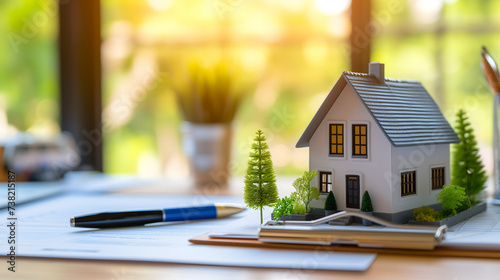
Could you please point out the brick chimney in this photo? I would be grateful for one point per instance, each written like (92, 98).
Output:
(377, 69)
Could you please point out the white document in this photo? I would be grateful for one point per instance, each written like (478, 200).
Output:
(480, 232)
(43, 230)
(29, 191)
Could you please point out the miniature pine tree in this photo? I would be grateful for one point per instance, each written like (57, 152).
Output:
(330, 202)
(260, 181)
(366, 203)
(467, 169)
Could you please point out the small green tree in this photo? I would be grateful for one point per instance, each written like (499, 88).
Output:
(467, 169)
(260, 181)
(304, 193)
(451, 197)
(366, 203)
(330, 202)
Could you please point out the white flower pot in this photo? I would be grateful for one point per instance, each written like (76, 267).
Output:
(208, 149)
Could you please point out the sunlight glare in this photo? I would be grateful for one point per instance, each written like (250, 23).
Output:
(160, 5)
(426, 11)
(315, 51)
(331, 7)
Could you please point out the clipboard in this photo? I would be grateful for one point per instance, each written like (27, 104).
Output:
(309, 235)
(316, 232)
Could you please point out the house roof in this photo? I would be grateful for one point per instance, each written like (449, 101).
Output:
(403, 109)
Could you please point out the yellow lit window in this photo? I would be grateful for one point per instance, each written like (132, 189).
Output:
(359, 140)
(336, 139)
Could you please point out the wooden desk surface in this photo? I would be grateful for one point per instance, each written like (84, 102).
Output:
(386, 266)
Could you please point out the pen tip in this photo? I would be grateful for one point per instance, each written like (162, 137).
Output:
(227, 209)
(72, 222)
(485, 51)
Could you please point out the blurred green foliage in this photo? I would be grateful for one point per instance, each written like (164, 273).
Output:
(294, 52)
(28, 55)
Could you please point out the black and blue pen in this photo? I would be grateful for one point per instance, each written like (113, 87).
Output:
(136, 218)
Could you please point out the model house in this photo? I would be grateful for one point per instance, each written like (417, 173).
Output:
(383, 135)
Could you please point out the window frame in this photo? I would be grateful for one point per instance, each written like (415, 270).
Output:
(342, 137)
(328, 183)
(406, 184)
(360, 145)
(438, 177)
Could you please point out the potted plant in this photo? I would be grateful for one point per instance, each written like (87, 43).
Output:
(366, 207)
(330, 204)
(208, 96)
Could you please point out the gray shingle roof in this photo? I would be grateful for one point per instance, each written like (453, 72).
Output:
(403, 109)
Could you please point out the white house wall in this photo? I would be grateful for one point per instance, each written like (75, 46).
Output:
(349, 109)
(421, 159)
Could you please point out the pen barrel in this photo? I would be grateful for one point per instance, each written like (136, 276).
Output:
(118, 219)
(136, 218)
(190, 213)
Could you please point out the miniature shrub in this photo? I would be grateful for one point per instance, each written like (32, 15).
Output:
(304, 193)
(438, 215)
(466, 204)
(366, 203)
(424, 214)
(330, 202)
(284, 206)
(299, 207)
(451, 197)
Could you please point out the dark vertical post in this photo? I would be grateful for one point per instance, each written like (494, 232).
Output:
(361, 36)
(80, 77)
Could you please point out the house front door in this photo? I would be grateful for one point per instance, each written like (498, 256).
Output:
(352, 191)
